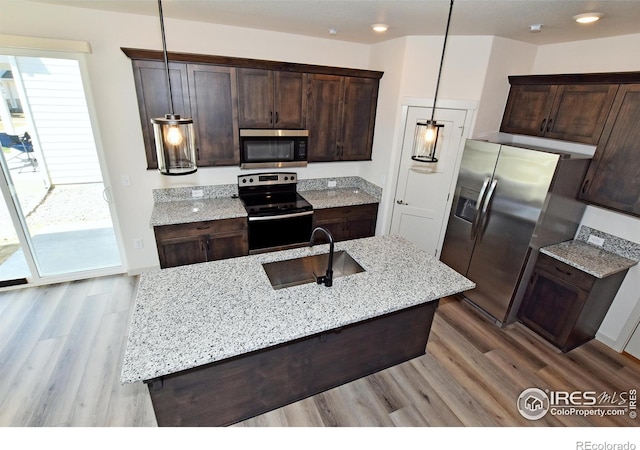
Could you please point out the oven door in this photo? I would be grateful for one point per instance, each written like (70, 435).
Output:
(269, 233)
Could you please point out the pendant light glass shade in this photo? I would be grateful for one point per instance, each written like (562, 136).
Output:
(174, 136)
(425, 141)
(426, 137)
(175, 145)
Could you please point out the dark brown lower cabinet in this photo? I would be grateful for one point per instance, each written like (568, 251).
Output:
(348, 222)
(566, 305)
(197, 242)
(238, 388)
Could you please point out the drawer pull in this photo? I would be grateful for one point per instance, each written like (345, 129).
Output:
(563, 271)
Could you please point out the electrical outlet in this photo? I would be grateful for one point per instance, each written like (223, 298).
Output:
(332, 183)
(197, 193)
(595, 240)
(137, 243)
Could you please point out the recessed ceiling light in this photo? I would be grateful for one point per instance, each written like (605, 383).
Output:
(380, 27)
(535, 28)
(333, 31)
(588, 17)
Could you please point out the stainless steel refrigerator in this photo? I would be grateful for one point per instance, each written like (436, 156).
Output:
(509, 202)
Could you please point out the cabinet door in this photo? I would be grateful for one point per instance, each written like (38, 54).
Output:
(214, 112)
(255, 98)
(551, 307)
(227, 245)
(358, 117)
(324, 115)
(153, 98)
(613, 178)
(290, 100)
(579, 112)
(181, 251)
(527, 109)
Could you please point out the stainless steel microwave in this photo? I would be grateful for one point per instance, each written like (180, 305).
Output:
(273, 148)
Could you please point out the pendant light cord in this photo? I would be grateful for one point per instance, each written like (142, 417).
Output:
(166, 58)
(444, 47)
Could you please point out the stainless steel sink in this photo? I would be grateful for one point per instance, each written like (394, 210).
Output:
(293, 272)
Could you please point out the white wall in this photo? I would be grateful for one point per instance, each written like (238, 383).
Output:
(616, 54)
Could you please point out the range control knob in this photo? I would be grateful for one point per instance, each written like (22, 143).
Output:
(292, 177)
(250, 180)
(244, 180)
(286, 178)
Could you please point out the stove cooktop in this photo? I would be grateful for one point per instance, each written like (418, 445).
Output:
(270, 194)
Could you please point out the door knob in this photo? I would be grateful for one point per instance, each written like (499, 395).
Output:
(400, 202)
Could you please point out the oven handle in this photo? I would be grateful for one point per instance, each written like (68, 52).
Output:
(281, 216)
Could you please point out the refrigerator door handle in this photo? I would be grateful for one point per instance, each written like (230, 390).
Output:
(485, 207)
(476, 217)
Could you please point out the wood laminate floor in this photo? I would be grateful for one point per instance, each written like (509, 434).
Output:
(61, 349)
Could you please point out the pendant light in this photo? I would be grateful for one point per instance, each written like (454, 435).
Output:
(174, 135)
(426, 136)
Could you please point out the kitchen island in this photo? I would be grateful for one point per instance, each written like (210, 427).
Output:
(216, 343)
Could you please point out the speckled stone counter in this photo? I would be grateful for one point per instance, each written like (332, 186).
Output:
(175, 206)
(193, 315)
(588, 258)
(333, 198)
(188, 211)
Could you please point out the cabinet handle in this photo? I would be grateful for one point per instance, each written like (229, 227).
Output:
(549, 125)
(270, 116)
(544, 122)
(562, 271)
(203, 228)
(585, 185)
(277, 118)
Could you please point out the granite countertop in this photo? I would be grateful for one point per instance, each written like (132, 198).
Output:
(333, 198)
(186, 211)
(188, 316)
(588, 258)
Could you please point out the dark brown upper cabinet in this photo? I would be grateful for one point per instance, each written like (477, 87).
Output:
(204, 92)
(213, 107)
(153, 98)
(271, 99)
(223, 94)
(573, 112)
(613, 178)
(341, 116)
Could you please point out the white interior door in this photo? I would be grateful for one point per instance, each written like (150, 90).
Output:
(421, 207)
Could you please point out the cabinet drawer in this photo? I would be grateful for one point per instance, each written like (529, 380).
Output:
(200, 228)
(347, 212)
(565, 272)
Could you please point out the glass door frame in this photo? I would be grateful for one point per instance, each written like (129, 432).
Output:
(10, 195)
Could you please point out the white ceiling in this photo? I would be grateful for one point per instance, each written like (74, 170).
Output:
(353, 18)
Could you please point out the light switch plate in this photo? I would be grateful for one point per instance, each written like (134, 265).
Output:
(197, 193)
(595, 240)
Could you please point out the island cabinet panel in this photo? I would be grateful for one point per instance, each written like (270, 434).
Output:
(192, 243)
(271, 99)
(613, 178)
(574, 111)
(341, 115)
(238, 388)
(566, 305)
(348, 222)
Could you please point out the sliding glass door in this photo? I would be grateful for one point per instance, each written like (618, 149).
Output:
(58, 220)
